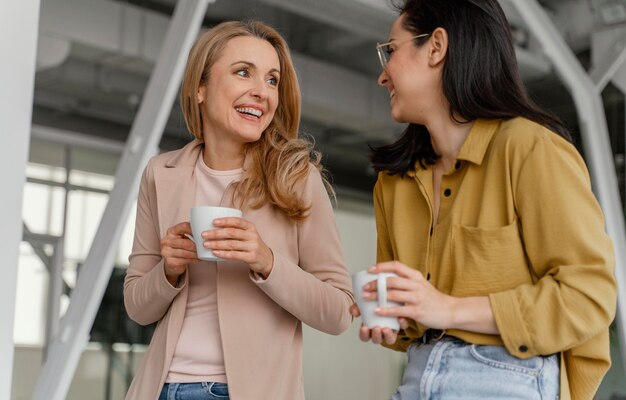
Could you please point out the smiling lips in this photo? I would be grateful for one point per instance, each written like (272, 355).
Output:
(250, 112)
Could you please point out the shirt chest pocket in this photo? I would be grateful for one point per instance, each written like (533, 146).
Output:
(487, 260)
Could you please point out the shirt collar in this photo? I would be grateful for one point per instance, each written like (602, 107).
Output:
(477, 141)
(475, 145)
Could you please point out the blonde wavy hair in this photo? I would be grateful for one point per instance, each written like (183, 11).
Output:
(280, 161)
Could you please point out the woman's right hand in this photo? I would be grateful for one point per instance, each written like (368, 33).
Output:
(177, 251)
(376, 334)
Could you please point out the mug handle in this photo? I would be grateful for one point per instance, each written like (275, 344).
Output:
(382, 290)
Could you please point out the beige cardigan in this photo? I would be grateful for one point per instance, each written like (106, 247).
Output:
(260, 320)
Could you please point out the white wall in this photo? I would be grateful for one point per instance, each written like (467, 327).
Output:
(343, 367)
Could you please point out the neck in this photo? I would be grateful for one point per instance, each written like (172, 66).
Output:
(447, 138)
(222, 157)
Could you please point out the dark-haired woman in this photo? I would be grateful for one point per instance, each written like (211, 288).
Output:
(485, 211)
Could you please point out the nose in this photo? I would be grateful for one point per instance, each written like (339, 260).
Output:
(383, 78)
(259, 90)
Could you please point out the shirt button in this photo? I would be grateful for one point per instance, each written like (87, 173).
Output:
(457, 165)
(447, 192)
(523, 348)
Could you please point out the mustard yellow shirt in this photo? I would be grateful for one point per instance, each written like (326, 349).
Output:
(517, 222)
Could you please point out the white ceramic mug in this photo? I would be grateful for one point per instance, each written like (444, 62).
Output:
(368, 307)
(202, 220)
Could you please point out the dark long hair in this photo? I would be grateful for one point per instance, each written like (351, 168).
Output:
(480, 76)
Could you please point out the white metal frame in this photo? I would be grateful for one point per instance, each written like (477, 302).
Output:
(19, 21)
(585, 91)
(66, 348)
(54, 265)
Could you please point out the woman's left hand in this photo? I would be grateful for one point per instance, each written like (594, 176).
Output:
(421, 301)
(237, 239)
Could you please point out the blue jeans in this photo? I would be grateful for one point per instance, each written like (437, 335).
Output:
(453, 369)
(194, 391)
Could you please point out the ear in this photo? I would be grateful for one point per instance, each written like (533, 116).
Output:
(201, 95)
(438, 47)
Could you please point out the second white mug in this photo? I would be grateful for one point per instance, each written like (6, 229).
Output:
(368, 307)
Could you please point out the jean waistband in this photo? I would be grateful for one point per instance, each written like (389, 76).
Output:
(433, 336)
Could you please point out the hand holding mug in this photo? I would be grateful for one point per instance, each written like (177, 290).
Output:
(221, 234)
(376, 335)
(422, 302)
(177, 251)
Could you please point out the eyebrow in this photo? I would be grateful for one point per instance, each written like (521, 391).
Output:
(251, 65)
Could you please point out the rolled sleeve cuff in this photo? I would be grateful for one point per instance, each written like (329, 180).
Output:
(165, 287)
(507, 311)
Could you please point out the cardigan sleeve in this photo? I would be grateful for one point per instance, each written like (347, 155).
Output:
(570, 255)
(147, 293)
(318, 291)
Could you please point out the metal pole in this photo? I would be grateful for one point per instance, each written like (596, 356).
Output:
(64, 352)
(56, 284)
(55, 291)
(595, 136)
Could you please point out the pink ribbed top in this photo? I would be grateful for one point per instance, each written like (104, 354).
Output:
(198, 356)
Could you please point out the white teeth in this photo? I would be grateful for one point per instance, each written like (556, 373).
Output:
(249, 110)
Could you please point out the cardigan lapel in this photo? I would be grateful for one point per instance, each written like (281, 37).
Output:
(176, 191)
(176, 187)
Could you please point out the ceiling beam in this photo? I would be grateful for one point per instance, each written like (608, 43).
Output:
(362, 17)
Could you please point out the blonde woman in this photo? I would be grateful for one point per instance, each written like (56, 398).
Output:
(233, 329)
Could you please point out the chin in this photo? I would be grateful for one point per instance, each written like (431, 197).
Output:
(249, 137)
(398, 117)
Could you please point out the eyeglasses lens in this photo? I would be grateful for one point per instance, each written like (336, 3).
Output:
(383, 55)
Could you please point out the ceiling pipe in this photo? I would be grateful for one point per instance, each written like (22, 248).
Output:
(51, 52)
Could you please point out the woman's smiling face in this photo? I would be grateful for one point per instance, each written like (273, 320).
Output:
(408, 77)
(241, 96)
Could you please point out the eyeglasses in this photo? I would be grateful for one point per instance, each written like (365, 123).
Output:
(384, 49)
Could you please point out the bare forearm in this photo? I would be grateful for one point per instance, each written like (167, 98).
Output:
(473, 314)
